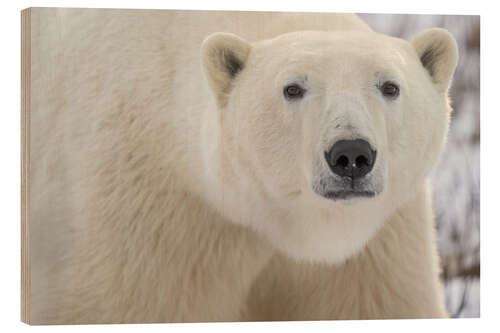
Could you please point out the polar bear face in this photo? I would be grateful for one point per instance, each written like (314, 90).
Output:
(318, 137)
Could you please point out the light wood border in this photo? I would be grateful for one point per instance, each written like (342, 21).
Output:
(25, 161)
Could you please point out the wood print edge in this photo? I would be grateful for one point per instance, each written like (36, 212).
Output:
(25, 152)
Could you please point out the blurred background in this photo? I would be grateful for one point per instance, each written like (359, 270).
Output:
(456, 178)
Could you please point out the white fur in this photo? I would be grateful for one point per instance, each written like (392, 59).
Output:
(164, 189)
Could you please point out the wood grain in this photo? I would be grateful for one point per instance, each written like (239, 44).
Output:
(25, 161)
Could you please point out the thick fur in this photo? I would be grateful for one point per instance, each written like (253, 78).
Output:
(170, 180)
(395, 276)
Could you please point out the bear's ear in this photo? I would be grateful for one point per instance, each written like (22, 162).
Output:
(223, 57)
(438, 53)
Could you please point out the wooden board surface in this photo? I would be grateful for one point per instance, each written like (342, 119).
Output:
(25, 161)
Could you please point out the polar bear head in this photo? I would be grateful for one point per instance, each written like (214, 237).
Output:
(316, 138)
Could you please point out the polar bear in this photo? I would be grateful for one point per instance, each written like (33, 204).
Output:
(248, 166)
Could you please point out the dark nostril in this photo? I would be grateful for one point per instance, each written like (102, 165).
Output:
(361, 161)
(343, 161)
(351, 158)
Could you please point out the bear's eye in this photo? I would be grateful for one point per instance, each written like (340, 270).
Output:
(293, 91)
(390, 89)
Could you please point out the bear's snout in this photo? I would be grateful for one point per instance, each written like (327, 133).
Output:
(351, 158)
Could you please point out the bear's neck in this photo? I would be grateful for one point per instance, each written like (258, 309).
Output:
(201, 266)
(208, 263)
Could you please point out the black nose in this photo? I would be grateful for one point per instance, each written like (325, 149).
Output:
(351, 158)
